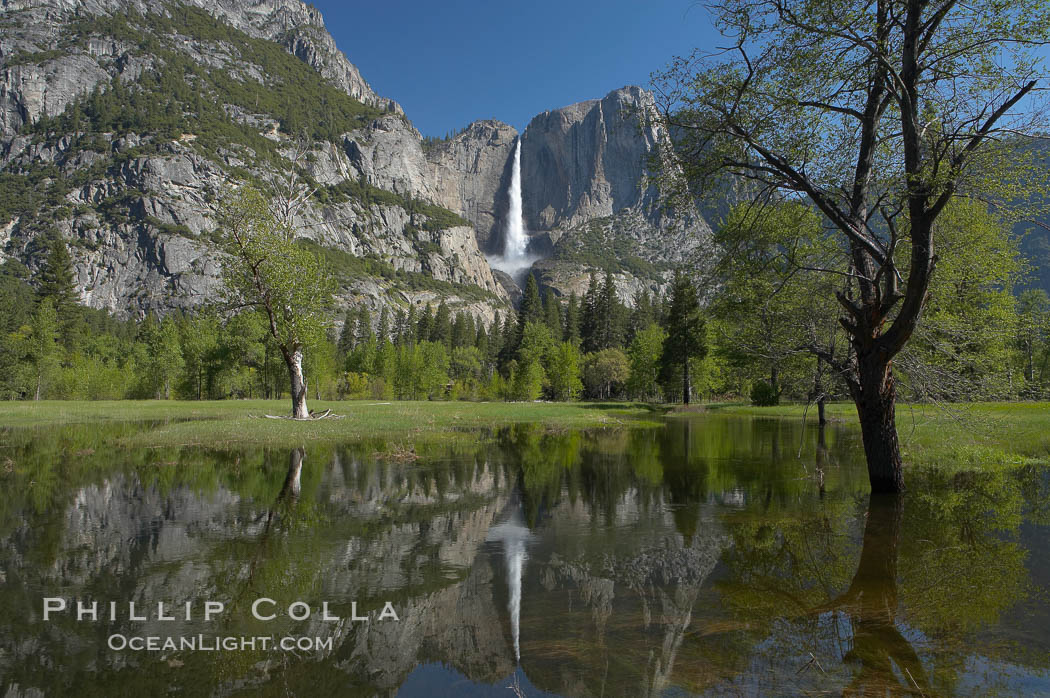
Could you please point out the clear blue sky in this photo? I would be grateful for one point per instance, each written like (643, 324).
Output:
(450, 63)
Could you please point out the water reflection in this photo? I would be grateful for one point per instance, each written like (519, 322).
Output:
(713, 555)
(513, 535)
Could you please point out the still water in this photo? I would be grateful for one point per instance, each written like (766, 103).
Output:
(712, 555)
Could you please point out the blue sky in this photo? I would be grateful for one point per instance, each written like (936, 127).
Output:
(450, 63)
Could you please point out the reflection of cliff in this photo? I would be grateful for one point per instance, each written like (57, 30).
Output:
(383, 537)
(594, 598)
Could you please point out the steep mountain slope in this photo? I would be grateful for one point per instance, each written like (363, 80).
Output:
(123, 125)
(589, 199)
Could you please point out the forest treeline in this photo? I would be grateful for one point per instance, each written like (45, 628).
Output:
(981, 339)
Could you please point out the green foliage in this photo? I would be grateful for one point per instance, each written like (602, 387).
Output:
(965, 347)
(764, 395)
(434, 217)
(185, 97)
(563, 371)
(686, 338)
(605, 372)
(605, 243)
(268, 271)
(644, 355)
(526, 383)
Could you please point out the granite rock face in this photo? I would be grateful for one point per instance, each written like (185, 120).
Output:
(141, 216)
(473, 171)
(588, 160)
(140, 212)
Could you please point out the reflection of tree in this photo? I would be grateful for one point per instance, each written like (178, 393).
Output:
(936, 566)
(871, 604)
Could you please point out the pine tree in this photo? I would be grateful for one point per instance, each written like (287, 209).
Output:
(589, 316)
(348, 335)
(642, 315)
(425, 325)
(495, 340)
(383, 333)
(531, 308)
(408, 333)
(686, 336)
(364, 325)
(552, 312)
(610, 316)
(571, 331)
(441, 330)
(56, 283)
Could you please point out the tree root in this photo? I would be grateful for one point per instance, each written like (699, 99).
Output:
(314, 416)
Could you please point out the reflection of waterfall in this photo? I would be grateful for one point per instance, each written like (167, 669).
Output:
(513, 533)
(515, 259)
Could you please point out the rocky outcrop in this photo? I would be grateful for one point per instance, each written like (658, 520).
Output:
(141, 226)
(472, 172)
(589, 160)
(142, 214)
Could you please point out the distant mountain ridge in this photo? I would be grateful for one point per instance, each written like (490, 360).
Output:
(122, 123)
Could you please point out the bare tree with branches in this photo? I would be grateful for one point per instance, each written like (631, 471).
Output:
(880, 113)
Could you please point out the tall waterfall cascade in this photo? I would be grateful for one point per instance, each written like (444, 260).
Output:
(515, 258)
(516, 241)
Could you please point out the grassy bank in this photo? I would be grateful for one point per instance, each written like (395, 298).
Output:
(232, 422)
(957, 436)
(962, 435)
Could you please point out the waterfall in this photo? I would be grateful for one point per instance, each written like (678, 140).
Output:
(515, 259)
(515, 242)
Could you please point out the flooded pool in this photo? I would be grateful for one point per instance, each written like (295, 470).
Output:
(713, 555)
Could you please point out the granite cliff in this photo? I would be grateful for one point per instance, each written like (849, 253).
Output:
(122, 124)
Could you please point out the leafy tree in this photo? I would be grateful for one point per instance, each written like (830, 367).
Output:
(164, 356)
(268, 272)
(198, 340)
(526, 382)
(1033, 309)
(563, 371)
(880, 114)
(41, 346)
(965, 346)
(644, 356)
(686, 333)
(604, 372)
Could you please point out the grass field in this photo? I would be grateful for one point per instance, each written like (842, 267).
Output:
(232, 422)
(969, 434)
(964, 436)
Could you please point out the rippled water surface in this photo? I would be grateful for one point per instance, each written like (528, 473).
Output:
(714, 555)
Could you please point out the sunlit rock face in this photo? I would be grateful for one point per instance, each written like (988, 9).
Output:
(589, 160)
(141, 212)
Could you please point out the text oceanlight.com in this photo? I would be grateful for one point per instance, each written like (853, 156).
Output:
(218, 643)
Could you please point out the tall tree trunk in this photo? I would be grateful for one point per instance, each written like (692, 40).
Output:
(876, 397)
(294, 359)
(822, 418)
(774, 382)
(687, 388)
